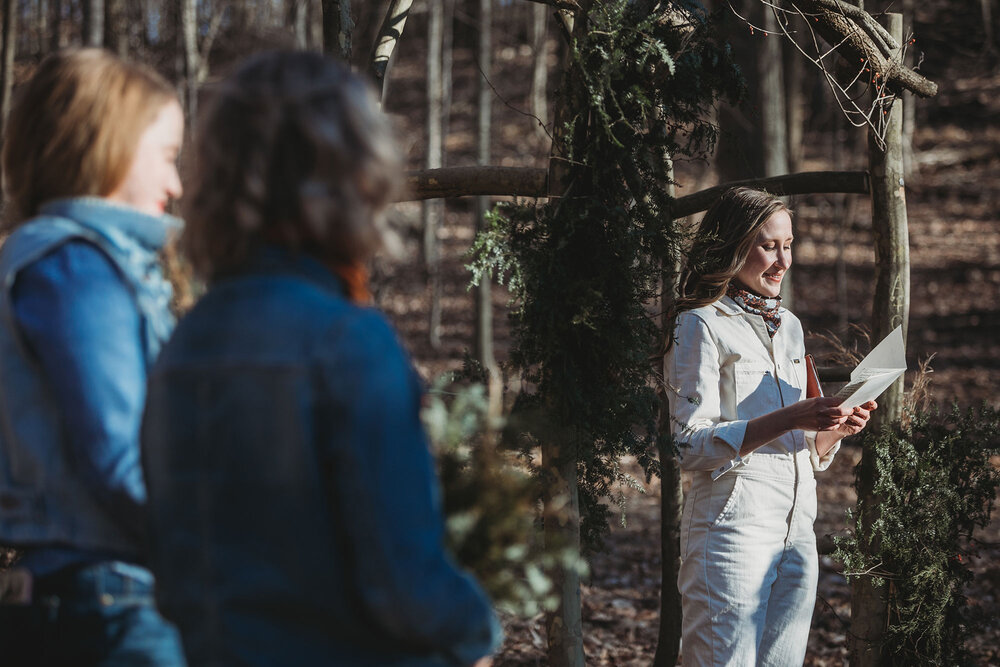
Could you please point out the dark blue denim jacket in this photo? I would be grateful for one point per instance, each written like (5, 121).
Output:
(84, 309)
(295, 510)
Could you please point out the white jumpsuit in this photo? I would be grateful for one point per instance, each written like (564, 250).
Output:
(749, 571)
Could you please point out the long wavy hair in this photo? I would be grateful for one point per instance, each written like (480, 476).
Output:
(291, 150)
(722, 245)
(74, 127)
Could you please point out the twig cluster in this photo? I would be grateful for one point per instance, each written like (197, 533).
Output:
(876, 73)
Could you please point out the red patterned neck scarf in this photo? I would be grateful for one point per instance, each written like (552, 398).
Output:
(766, 307)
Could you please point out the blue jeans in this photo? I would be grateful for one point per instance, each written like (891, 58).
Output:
(101, 614)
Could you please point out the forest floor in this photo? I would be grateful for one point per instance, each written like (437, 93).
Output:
(953, 199)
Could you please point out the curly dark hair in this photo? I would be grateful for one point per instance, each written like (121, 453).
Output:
(291, 150)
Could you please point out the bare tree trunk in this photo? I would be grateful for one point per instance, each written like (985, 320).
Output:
(338, 29)
(869, 606)
(909, 108)
(298, 17)
(189, 43)
(385, 42)
(116, 27)
(795, 104)
(433, 211)
(739, 153)
(773, 120)
(539, 66)
(484, 301)
(986, 8)
(314, 25)
(56, 40)
(447, 60)
(9, 53)
(93, 22)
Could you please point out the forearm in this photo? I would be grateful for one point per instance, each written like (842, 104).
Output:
(825, 441)
(762, 430)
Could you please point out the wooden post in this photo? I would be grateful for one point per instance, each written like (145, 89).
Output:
(671, 492)
(869, 608)
(561, 502)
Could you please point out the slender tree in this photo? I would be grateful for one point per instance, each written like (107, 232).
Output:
(298, 18)
(93, 22)
(433, 210)
(385, 41)
(56, 38)
(539, 65)
(116, 27)
(189, 49)
(338, 29)
(9, 52)
(484, 301)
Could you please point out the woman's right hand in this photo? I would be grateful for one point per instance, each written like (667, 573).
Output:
(818, 414)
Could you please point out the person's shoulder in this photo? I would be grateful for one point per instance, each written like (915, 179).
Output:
(367, 330)
(789, 318)
(703, 315)
(75, 266)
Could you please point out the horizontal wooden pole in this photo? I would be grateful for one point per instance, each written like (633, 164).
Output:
(834, 373)
(532, 182)
(808, 182)
(475, 181)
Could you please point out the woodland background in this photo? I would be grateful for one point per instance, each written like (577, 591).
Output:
(952, 190)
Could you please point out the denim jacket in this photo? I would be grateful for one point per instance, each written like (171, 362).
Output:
(295, 510)
(45, 502)
(724, 370)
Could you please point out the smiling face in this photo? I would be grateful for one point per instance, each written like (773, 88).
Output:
(769, 258)
(152, 180)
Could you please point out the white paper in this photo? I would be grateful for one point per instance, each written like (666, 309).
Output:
(876, 372)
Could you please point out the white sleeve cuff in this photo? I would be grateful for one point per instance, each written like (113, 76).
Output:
(819, 463)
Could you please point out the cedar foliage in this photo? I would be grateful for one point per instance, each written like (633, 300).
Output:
(936, 485)
(584, 267)
(490, 503)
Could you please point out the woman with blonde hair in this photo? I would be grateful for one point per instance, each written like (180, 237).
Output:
(293, 497)
(89, 165)
(751, 439)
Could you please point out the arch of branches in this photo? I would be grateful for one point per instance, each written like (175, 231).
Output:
(626, 110)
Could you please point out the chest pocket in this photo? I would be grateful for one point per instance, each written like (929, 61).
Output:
(756, 389)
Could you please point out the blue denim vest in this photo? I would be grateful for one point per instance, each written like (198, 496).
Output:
(42, 501)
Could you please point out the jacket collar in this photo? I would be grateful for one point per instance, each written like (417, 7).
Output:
(275, 260)
(105, 216)
(730, 307)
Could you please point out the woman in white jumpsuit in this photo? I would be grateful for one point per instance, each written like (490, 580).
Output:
(737, 376)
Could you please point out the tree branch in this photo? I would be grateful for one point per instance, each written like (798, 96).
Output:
(790, 184)
(475, 181)
(866, 21)
(856, 46)
(570, 5)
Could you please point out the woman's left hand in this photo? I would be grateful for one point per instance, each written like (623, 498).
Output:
(857, 421)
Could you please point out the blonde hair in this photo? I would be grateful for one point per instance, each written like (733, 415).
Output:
(74, 127)
(293, 151)
(722, 244)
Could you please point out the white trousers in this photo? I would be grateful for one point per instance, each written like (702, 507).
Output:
(749, 571)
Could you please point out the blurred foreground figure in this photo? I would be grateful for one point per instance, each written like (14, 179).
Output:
(89, 164)
(294, 502)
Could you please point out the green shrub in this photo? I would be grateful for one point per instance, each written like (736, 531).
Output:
(936, 484)
(491, 503)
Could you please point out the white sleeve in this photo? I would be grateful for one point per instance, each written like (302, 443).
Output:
(692, 368)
